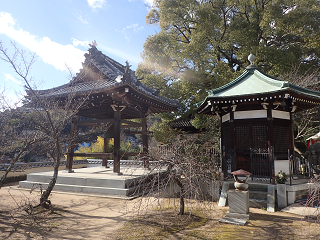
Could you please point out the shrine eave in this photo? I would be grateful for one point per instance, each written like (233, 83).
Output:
(302, 100)
(251, 81)
(103, 82)
(103, 86)
(256, 87)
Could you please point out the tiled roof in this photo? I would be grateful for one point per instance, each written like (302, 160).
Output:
(255, 86)
(253, 81)
(109, 74)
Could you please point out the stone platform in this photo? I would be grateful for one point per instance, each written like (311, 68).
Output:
(264, 195)
(93, 181)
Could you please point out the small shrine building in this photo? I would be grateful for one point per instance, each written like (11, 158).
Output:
(112, 93)
(256, 112)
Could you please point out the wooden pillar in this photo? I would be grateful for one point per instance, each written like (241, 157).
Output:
(270, 126)
(270, 141)
(105, 150)
(145, 138)
(232, 130)
(223, 148)
(291, 135)
(233, 150)
(116, 150)
(291, 150)
(71, 145)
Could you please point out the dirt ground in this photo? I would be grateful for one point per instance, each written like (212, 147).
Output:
(74, 217)
(87, 217)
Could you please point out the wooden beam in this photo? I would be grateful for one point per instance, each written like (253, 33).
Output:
(71, 145)
(105, 150)
(116, 149)
(92, 124)
(131, 124)
(136, 132)
(131, 154)
(92, 155)
(96, 121)
(145, 137)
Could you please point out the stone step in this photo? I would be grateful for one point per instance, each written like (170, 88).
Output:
(116, 192)
(81, 181)
(258, 187)
(258, 200)
(96, 180)
(258, 203)
(259, 195)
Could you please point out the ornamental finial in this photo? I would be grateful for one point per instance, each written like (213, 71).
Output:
(127, 67)
(251, 58)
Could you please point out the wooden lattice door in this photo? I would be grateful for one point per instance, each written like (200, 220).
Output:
(248, 136)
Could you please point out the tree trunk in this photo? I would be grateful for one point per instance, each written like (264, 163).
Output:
(179, 183)
(181, 212)
(44, 201)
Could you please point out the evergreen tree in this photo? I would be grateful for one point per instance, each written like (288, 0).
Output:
(204, 44)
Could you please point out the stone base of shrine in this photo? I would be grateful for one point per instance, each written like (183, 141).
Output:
(94, 181)
(238, 215)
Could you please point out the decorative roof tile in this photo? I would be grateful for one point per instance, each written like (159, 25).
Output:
(112, 71)
(253, 81)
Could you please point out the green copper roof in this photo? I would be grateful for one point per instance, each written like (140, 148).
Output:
(251, 81)
(252, 84)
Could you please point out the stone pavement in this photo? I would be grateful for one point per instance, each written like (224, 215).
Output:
(302, 210)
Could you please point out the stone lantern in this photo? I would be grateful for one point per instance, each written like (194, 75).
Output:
(240, 184)
(238, 200)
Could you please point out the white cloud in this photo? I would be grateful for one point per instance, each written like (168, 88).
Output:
(82, 19)
(51, 52)
(77, 42)
(148, 2)
(128, 29)
(9, 77)
(135, 27)
(96, 3)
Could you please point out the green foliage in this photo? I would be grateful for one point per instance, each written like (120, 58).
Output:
(163, 133)
(205, 44)
(211, 126)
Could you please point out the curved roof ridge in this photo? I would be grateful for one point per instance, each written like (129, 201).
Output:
(251, 81)
(270, 80)
(109, 70)
(235, 81)
(299, 89)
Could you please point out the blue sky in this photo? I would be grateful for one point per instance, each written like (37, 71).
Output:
(59, 32)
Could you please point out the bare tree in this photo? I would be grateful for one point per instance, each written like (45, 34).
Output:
(187, 169)
(46, 118)
(16, 139)
(14, 144)
(306, 122)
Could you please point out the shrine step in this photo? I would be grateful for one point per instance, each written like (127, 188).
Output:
(257, 203)
(258, 195)
(261, 195)
(80, 180)
(115, 192)
(95, 180)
